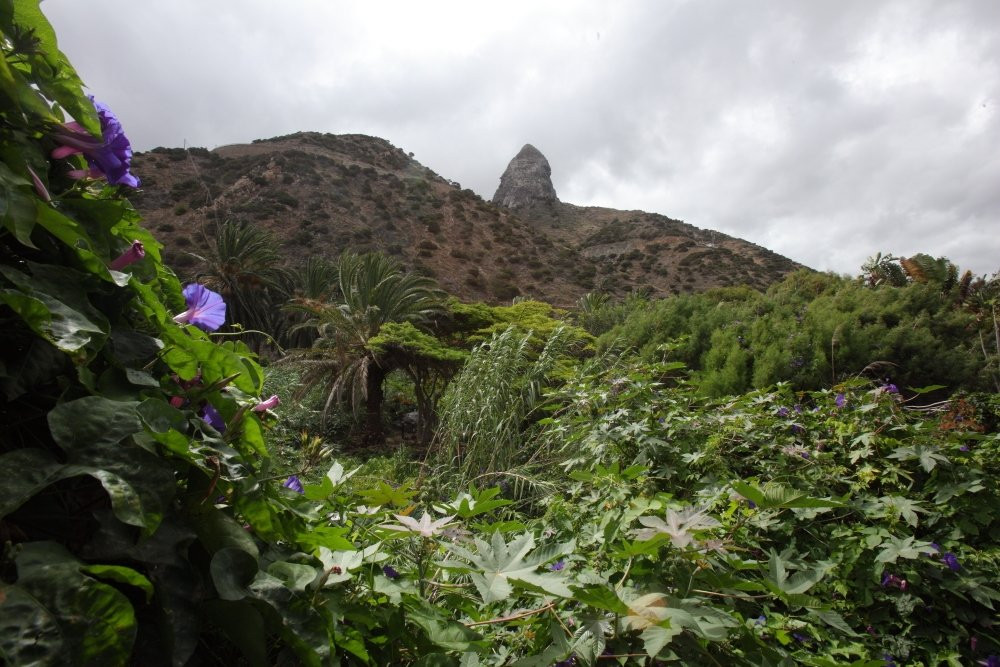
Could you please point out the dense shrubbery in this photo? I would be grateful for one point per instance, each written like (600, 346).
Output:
(813, 330)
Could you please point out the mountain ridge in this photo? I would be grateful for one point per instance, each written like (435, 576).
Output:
(323, 193)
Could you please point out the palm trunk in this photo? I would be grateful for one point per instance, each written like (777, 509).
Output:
(374, 397)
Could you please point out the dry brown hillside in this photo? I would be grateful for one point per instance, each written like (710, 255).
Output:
(323, 193)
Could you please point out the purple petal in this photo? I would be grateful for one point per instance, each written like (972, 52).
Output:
(841, 400)
(213, 418)
(110, 156)
(294, 483)
(951, 561)
(206, 309)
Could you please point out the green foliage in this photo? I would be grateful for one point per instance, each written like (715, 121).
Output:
(811, 330)
(373, 292)
(775, 527)
(484, 410)
(243, 266)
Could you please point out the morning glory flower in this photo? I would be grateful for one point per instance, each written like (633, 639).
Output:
(294, 483)
(951, 561)
(269, 404)
(558, 565)
(108, 157)
(213, 418)
(782, 412)
(841, 400)
(134, 253)
(390, 572)
(206, 309)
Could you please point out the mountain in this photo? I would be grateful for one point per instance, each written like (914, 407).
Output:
(323, 193)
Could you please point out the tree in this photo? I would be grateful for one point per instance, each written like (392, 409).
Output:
(242, 266)
(372, 291)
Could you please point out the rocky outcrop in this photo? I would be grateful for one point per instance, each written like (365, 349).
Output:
(527, 181)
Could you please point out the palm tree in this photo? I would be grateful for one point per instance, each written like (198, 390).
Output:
(883, 270)
(243, 266)
(372, 291)
(922, 268)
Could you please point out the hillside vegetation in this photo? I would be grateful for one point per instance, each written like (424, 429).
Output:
(210, 474)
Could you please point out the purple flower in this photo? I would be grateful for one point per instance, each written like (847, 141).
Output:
(841, 400)
(889, 660)
(206, 309)
(782, 412)
(294, 484)
(963, 448)
(992, 661)
(269, 404)
(760, 620)
(390, 572)
(890, 389)
(798, 409)
(751, 504)
(558, 565)
(213, 418)
(109, 157)
(134, 253)
(799, 637)
(951, 561)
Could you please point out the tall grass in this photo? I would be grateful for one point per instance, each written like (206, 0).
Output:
(486, 407)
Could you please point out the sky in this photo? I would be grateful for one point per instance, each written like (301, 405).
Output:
(826, 131)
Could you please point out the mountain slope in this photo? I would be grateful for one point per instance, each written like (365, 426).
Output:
(322, 194)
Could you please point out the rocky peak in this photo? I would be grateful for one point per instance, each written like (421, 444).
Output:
(526, 181)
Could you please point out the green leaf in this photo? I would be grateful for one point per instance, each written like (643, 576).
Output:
(26, 471)
(53, 302)
(908, 548)
(91, 430)
(501, 563)
(655, 637)
(232, 572)
(296, 576)
(600, 597)
(385, 494)
(121, 574)
(96, 622)
(441, 630)
(93, 421)
(834, 620)
(29, 632)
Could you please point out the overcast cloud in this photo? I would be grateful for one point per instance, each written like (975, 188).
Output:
(826, 131)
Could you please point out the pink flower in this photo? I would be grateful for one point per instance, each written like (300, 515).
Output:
(134, 253)
(39, 186)
(269, 404)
